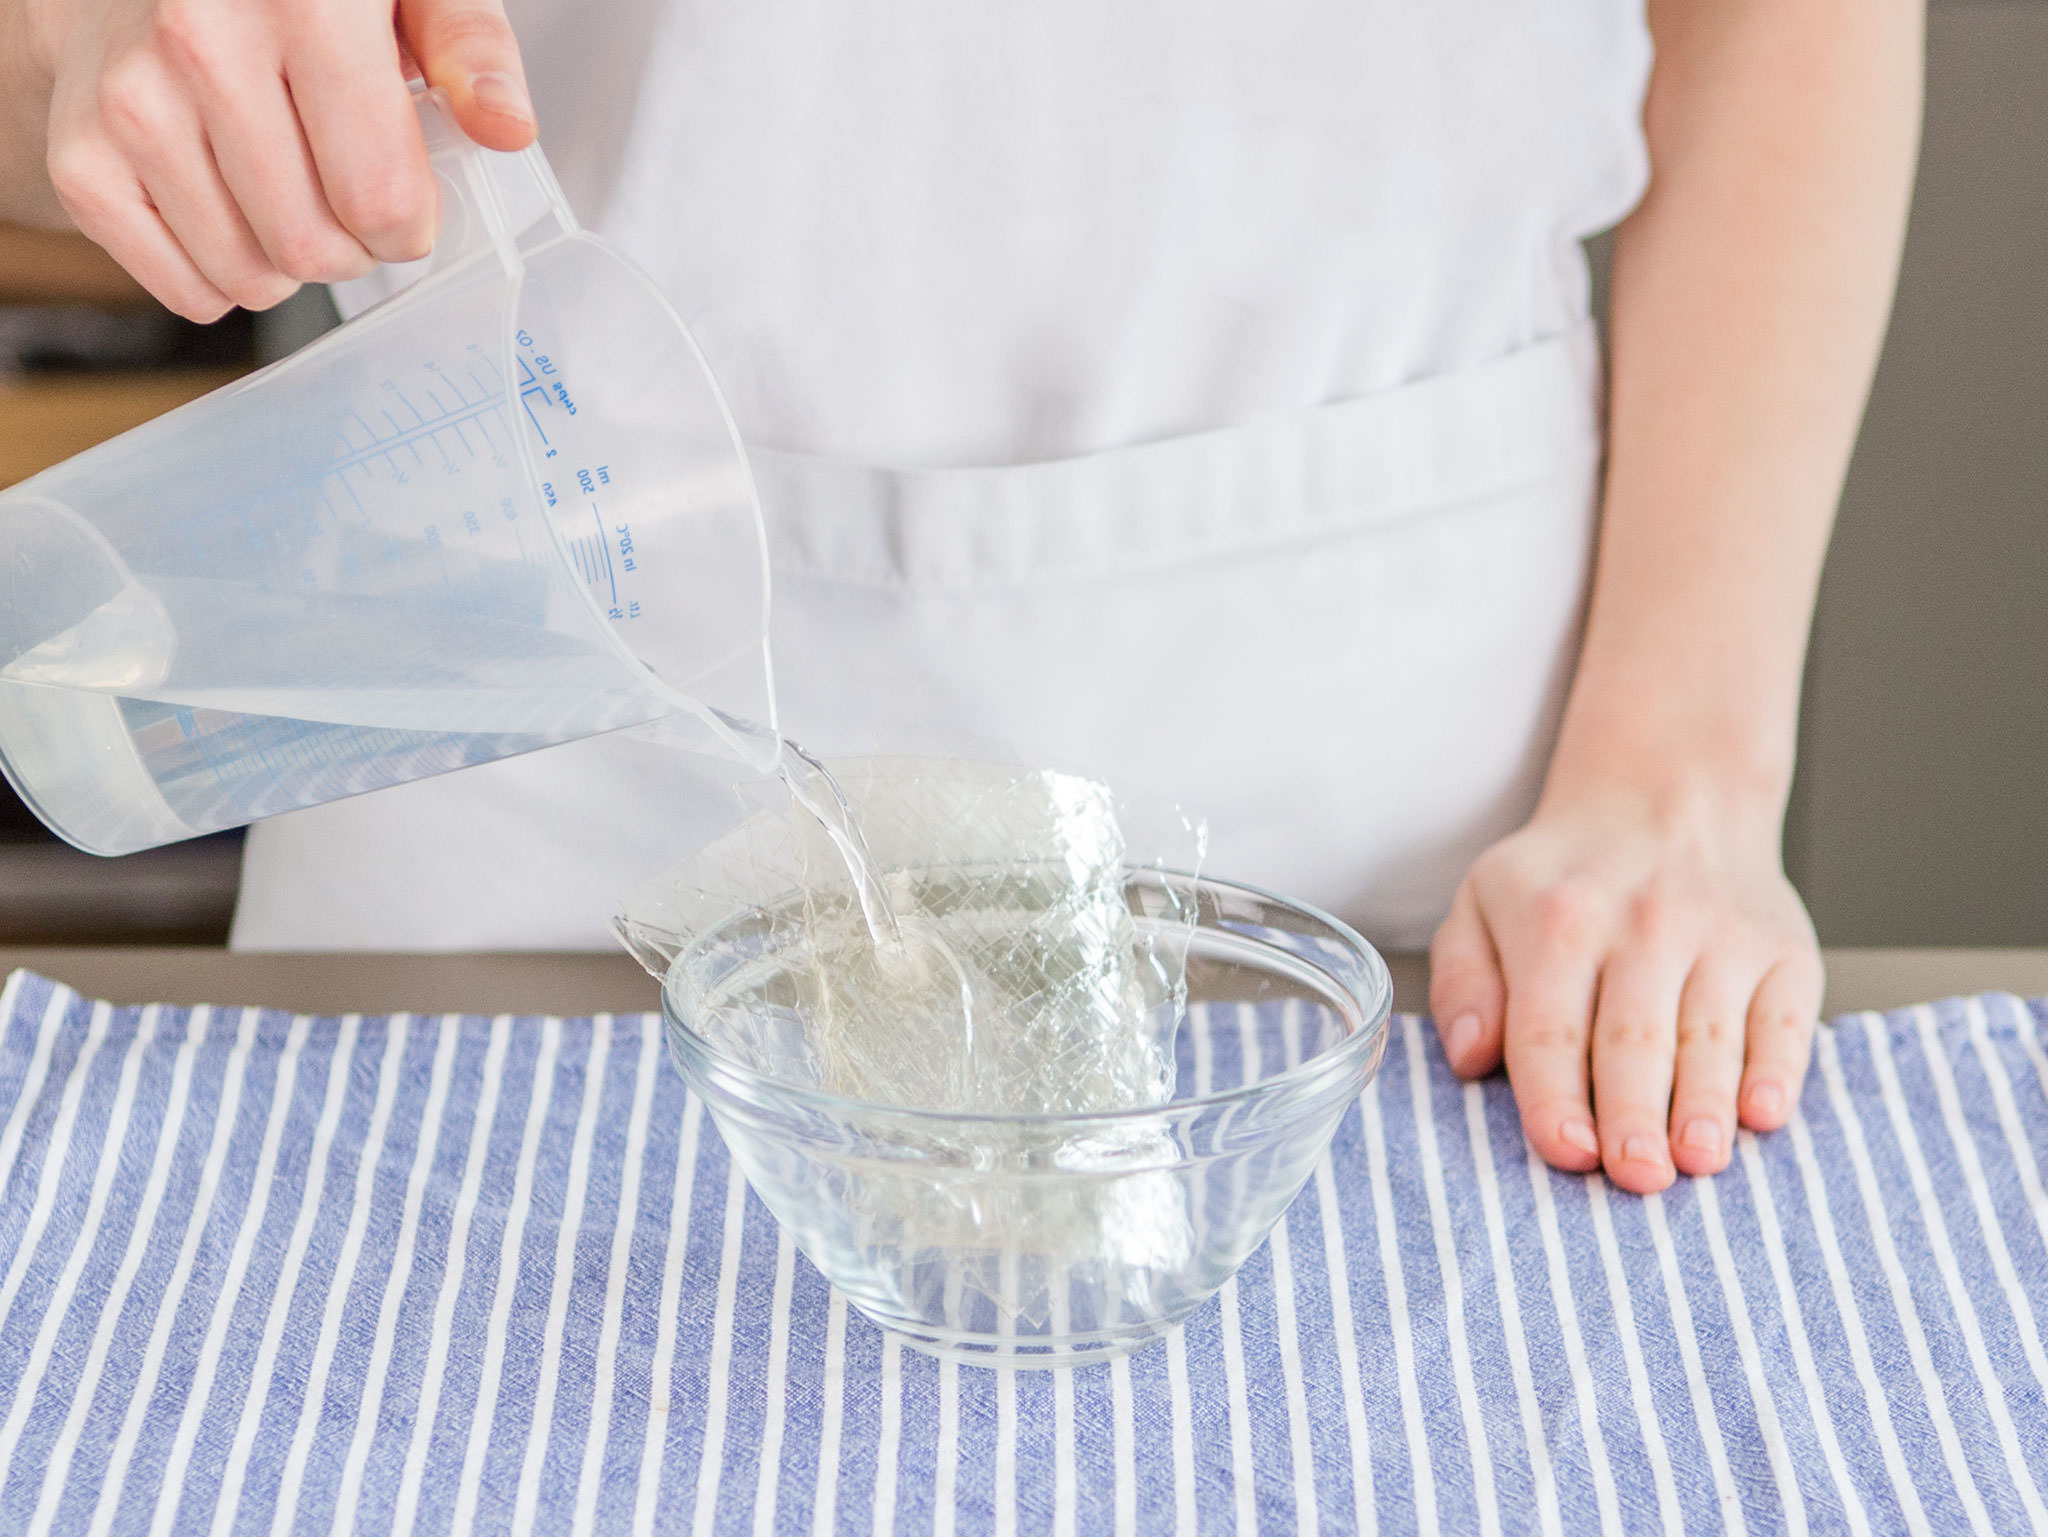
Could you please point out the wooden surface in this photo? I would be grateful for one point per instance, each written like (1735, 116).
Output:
(596, 981)
(43, 420)
(49, 267)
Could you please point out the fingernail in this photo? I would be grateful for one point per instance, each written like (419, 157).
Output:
(1463, 1037)
(1766, 1100)
(1579, 1134)
(1642, 1148)
(1703, 1135)
(496, 91)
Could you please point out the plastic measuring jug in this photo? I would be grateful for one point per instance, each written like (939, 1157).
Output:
(501, 509)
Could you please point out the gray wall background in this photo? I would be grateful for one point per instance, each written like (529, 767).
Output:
(1920, 813)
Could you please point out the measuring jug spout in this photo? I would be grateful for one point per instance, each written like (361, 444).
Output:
(504, 507)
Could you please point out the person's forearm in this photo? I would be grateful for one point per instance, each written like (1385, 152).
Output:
(1750, 292)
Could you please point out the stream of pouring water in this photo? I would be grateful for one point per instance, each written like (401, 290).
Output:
(908, 949)
(811, 786)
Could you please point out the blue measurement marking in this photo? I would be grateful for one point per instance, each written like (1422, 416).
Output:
(257, 520)
(605, 544)
(530, 386)
(368, 431)
(381, 449)
(497, 454)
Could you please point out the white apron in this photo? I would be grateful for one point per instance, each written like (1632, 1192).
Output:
(1198, 396)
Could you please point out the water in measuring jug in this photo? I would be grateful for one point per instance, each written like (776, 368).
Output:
(504, 508)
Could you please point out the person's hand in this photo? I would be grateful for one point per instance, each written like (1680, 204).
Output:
(226, 151)
(1659, 959)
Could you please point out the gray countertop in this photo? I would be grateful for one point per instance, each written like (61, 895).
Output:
(594, 982)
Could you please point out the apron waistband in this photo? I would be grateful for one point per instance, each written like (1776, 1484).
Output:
(1451, 438)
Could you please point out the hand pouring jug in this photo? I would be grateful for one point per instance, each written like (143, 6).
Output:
(501, 509)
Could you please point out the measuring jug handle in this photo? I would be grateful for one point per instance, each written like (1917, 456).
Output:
(491, 202)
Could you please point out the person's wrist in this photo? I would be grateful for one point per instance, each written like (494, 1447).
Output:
(1720, 782)
(25, 196)
(31, 35)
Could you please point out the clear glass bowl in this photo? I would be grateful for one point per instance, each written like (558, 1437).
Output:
(1042, 1240)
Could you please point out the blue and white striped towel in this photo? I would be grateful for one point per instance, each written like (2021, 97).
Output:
(262, 1273)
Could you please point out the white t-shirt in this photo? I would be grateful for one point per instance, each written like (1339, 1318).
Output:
(1194, 394)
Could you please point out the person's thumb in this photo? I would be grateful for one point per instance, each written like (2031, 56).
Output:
(466, 48)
